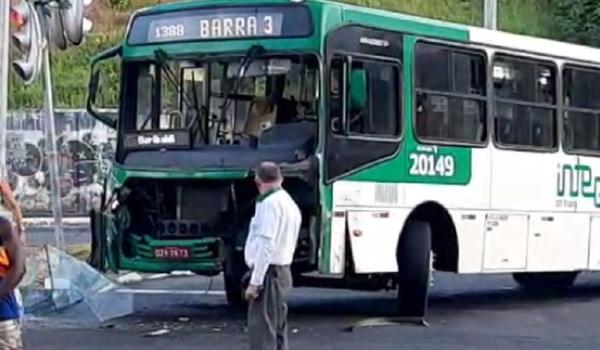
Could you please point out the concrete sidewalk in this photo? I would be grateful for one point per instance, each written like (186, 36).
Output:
(49, 221)
(40, 231)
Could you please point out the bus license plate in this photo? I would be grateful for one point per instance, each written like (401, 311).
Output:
(172, 253)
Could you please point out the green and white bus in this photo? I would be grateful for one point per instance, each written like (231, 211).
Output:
(409, 144)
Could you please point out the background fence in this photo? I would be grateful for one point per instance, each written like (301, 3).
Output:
(85, 147)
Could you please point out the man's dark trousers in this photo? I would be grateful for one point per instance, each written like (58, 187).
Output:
(267, 315)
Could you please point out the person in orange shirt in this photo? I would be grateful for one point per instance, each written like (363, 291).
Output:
(12, 270)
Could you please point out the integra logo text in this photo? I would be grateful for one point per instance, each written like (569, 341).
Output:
(168, 139)
(577, 180)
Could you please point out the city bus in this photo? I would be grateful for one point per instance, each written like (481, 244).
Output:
(411, 145)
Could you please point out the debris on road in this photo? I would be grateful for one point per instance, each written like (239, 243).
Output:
(157, 333)
(56, 281)
(182, 273)
(131, 277)
(384, 321)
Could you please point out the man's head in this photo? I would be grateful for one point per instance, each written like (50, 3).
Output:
(268, 177)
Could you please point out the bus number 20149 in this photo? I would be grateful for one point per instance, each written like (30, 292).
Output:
(430, 165)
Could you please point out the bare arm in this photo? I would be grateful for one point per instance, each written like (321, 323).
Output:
(12, 205)
(16, 254)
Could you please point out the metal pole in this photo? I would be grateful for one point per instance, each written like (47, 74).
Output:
(490, 14)
(4, 66)
(51, 153)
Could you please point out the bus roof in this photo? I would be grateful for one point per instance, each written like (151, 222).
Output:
(494, 38)
(477, 35)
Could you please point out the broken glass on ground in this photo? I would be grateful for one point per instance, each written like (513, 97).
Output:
(58, 285)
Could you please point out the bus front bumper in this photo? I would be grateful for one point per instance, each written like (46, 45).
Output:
(202, 256)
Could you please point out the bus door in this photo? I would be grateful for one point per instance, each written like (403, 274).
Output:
(363, 124)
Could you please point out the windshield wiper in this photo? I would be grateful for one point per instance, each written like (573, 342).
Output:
(254, 52)
(162, 58)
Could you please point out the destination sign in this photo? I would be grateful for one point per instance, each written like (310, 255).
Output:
(175, 139)
(222, 23)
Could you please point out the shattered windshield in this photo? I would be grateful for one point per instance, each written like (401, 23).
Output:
(272, 92)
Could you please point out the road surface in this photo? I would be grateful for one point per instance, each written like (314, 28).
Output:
(466, 312)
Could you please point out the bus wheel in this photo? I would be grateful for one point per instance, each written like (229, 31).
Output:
(233, 274)
(98, 248)
(414, 263)
(545, 279)
(233, 290)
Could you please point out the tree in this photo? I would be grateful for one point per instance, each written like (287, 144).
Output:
(578, 21)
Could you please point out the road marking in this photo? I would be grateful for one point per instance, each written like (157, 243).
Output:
(169, 292)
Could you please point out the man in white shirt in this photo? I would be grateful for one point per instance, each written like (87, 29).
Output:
(269, 253)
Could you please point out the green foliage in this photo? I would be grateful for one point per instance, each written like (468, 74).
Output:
(70, 72)
(528, 17)
(578, 21)
(459, 11)
(571, 20)
(120, 4)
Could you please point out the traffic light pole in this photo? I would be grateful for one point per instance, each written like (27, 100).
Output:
(4, 66)
(51, 152)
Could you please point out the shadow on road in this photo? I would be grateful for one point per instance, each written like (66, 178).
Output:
(452, 299)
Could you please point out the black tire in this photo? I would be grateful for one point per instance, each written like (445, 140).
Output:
(413, 255)
(97, 258)
(235, 268)
(545, 280)
(233, 291)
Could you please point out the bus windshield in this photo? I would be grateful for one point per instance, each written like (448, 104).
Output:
(229, 101)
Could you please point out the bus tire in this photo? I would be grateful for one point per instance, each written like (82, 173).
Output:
(414, 264)
(544, 280)
(232, 278)
(97, 258)
(233, 291)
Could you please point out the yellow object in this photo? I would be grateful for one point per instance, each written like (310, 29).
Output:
(4, 262)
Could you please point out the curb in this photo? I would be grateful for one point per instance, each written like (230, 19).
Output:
(49, 222)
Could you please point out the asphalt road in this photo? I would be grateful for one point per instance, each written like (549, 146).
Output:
(466, 312)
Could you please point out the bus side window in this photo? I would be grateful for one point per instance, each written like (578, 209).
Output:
(524, 93)
(336, 79)
(357, 101)
(373, 101)
(581, 87)
(451, 85)
(364, 97)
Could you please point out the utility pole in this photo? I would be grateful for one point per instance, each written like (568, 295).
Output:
(51, 152)
(4, 64)
(42, 23)
(50, 128)
(490, 14)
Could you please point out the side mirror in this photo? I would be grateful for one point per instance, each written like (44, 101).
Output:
(103, 99)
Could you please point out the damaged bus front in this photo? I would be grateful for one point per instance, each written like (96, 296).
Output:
(206, 94)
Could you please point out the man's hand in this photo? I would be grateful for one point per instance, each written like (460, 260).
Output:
(251, 293)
